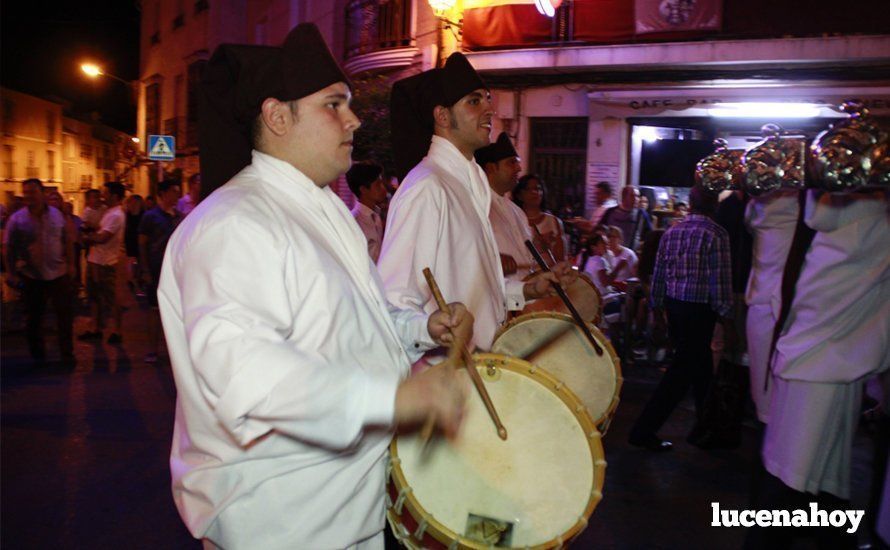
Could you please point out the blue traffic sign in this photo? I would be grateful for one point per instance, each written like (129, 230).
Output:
(161, 147)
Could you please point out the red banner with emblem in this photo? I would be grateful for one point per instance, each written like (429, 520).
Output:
(666, 16)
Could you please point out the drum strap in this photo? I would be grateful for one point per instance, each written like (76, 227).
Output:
(800, 244)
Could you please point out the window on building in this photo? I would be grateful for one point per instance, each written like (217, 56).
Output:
(51, 164)
(8, 162)
(155, 35)
(179, 19)
(68, 147)
(8, 115)
(50, 127)
(86, 151)
(195, 70)
(32, 171)
(152, 109)
(372, 25)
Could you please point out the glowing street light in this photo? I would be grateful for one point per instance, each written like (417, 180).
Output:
(93, 71)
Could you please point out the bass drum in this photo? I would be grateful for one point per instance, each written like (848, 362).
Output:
(584, 296)
(555, 343)
(536, 489)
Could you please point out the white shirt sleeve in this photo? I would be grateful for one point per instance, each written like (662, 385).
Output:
(411, 243)
(237, 315)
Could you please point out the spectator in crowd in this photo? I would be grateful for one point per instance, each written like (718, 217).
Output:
(634, 222)
(622, 259)
(598, 266)
(40, 258)
(366, 183)
(150, 202)
(134, 209)
(692, 283)
(154, 231)
(93, 211)
(531, 195)
(191, 199)
(604, 201)
(106, 244)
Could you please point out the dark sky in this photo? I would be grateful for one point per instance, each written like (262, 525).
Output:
(42, 44)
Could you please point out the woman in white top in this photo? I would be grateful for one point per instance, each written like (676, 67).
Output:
(530, 195)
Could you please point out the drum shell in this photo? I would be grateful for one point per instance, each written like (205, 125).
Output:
(406, 518)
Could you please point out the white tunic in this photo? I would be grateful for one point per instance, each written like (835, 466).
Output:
(438, 218)
(510, 226)
(371, 225)
(286, 358)
(771, 220)
(838, 334)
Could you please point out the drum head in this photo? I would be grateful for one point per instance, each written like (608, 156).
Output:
(584, 296)
(537, 488)
(555, 343)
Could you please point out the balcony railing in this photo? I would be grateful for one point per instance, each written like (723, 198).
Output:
(373, 25)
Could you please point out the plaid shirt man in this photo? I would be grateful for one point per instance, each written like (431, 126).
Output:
(693, 265)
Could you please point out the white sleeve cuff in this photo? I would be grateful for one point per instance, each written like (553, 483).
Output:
(515, 296)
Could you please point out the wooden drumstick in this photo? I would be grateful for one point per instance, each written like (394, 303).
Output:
(565, 299)
(543, 242)
(459, 346)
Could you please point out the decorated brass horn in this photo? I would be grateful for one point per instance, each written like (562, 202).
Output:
(841, 158)
(764, 163)
(720, 170)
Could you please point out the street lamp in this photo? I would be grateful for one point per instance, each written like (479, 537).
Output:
(93, 71)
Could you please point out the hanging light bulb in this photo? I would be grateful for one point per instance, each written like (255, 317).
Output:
(440, 7)
(547, 7)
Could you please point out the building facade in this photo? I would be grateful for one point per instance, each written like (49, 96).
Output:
(68, 154)
(588, 94)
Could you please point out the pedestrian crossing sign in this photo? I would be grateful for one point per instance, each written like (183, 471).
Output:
(161, 147)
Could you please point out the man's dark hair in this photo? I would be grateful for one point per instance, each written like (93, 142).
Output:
(605, 186)
(362, 174)
(116, 188)
(165, 185)
(702, 201)
(91, 192)
(33, 181)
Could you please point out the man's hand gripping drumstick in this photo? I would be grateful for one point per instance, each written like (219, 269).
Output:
(436, 396)
(459, 352)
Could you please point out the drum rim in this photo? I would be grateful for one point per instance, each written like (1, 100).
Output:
(446, 536)
(602, 423)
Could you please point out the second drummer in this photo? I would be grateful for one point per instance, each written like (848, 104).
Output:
(439, 216)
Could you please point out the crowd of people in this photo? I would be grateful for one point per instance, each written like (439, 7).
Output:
(115, 246)
(302, 334)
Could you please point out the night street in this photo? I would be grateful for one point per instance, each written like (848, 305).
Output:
(84, 459)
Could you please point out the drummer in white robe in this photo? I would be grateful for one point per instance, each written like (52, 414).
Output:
(291, 368)
(438, 218)
(500, 161)
(837, 335)
(771, 219)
